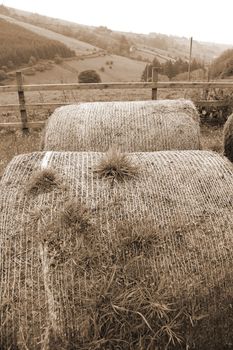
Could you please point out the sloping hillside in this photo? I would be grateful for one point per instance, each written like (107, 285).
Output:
(107, 39)
(131, 50)
(17, 45)
(222, 66)
(78, 46)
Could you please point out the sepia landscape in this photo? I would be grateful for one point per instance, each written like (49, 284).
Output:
(116, 188)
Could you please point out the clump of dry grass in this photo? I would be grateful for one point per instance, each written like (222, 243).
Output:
(116, 166)
(75, 215)
(43, 181)
(132, 242)
(64, 233)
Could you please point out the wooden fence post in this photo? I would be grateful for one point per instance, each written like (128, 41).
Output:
(206, 91)
(147, 72)
(154, 80)
(22, 107)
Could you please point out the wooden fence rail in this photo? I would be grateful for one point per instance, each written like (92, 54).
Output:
(103, 86)
(22, 106)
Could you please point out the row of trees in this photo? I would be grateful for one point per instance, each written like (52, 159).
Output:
(170, 68)
(101, 37)
(17, 45)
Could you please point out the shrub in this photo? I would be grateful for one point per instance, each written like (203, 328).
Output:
(11, 75)
(89, 76)
(3, 75)
(102, 69)
(10, 64)
(30, 71)
(32, 61)
(49, 66)
(57, 59)
(4, 68)
(40, 67)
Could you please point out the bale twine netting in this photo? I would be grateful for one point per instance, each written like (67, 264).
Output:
(228, 138)
(131, 126)
(117, 251)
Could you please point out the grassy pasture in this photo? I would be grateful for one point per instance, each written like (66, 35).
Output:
(110, 68)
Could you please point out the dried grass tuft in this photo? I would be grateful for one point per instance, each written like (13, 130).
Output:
(43, 181)
(116, 166)
(136, 241)
(75, 215)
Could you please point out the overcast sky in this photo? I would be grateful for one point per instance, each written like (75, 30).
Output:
(205, 20)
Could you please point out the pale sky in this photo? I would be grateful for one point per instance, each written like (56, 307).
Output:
(205, 20)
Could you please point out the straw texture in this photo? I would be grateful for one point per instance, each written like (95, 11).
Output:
(141, 263)
(131, 126)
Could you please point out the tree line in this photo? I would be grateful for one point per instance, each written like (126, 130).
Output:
(170, 68)
(17, 45)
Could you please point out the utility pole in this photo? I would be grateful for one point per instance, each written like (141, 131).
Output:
(190, 57)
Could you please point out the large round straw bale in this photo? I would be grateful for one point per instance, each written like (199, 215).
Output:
(131, 126)
(91, 260)
(228, 138)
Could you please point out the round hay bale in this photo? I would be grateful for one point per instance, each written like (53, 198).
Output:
(228, 138)
(91, 260)
(131, 126)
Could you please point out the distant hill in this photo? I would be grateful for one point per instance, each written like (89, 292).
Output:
(138, 46)
(28, 34)
(78, 46)
(18, 45)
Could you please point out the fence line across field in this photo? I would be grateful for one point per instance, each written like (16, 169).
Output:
(22, 106)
